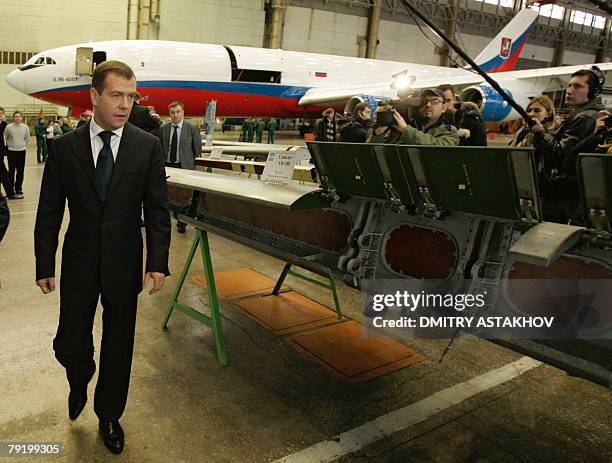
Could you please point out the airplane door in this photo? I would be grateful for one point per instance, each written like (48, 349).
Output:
(84, 61)
(98, 57)
(87, 60)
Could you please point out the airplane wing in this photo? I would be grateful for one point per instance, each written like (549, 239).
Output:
(548, 79)
(340, 95)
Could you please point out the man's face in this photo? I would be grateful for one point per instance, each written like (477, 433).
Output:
(577, 91)
(17, 118)
(2, 115)
(113, 105)
(366, 113)
(433, 109)
(449, 100)
(176, 114)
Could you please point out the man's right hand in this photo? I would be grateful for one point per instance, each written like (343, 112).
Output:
(47, 285)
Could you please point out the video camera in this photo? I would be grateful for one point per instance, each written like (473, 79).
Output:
(408, 107)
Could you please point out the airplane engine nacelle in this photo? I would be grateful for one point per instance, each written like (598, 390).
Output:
(492, 106)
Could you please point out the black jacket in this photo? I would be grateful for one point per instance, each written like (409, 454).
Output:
(4, 216)
(355, 130)
(562, 147)
(3, 149)
(103, 235)
(142, 119)
(468, 117)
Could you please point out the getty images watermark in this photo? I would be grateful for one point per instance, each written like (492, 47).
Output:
(515, 309)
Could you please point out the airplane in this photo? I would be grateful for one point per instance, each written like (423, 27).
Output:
(264, 82)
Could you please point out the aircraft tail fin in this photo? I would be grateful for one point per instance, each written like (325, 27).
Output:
(503, 51)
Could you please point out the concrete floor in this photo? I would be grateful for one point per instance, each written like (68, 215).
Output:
(271, 401)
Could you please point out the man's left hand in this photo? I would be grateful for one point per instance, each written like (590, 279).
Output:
(400, 122)
(158, 281)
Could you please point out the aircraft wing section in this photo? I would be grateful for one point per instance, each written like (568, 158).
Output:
(458, 81)
(557, 77)
(329, 95)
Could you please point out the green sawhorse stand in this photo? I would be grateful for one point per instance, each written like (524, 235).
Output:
(329, 284)
(214, 320)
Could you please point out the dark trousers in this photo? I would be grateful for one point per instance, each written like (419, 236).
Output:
(49, 150)
(16, 161)
(74, 348)
(41, 149)
(179, 224)
(5, 178)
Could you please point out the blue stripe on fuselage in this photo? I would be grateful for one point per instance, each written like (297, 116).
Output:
(247, 88)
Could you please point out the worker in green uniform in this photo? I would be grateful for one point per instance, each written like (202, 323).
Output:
(40, 130)
(250, 123)
(260, 125)
(271, 130)
(243, 134)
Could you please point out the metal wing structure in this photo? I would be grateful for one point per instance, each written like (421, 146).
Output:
(452, 218)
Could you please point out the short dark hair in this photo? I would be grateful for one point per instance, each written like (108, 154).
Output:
(17, 112)
(1, 108)
(361, 106)
(446, 87)
(594, 82)
(174, 104)
(98, 79)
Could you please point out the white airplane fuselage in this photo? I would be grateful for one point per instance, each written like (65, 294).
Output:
(197, 73)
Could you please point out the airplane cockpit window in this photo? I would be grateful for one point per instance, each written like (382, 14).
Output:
(36, 62)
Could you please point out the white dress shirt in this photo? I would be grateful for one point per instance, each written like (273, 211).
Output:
(178, 137)
(97, 144)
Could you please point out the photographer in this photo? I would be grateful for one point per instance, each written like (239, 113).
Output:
(561, 198)
(601, 140)
(465, 116)
(431, 128)
(356, 129)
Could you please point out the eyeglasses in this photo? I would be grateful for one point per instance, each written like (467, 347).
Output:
(433, 101)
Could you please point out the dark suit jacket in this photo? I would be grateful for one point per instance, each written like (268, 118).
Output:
(105, 235)
(141, 118)
(190, 143)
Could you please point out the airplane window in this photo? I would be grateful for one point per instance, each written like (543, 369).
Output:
(50, 60)
(40, 61)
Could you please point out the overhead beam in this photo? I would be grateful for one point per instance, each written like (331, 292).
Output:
(373, 23)
(275, 13)
(561, 40)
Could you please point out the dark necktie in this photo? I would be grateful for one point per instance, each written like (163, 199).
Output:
(104, 166)
(174, 144)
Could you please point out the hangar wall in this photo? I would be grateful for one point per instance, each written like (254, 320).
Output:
(236, 22)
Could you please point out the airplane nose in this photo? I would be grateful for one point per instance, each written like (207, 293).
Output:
(15, 80)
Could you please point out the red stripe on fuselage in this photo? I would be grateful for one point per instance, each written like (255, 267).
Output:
(228, 104)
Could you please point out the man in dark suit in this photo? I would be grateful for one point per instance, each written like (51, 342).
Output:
(181, 143)
(107, 170)
(141, 117)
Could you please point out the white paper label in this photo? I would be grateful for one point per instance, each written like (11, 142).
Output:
(279, 167)
(216, 153)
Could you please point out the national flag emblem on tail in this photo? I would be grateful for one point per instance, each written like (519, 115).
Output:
(506, 47)
(320, 74)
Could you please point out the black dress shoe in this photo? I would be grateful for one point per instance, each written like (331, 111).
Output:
(76, 403)
(113, 435)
